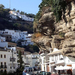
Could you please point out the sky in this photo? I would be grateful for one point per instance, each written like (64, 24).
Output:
(27, 6)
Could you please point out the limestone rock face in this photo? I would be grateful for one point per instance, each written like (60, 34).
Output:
(56, 42)
(59, 35)
(43, 43)
(46, 24)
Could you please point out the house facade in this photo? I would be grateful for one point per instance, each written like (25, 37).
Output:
(14, 15)
(31, 59)
(56, 63)
(8, 60)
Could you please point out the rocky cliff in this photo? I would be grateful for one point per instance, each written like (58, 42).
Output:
(49, 34)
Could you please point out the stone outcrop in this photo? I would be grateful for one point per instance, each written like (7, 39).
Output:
(59, 35)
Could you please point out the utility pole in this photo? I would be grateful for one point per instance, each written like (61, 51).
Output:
(12, 60)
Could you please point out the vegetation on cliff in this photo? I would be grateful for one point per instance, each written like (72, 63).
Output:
(58, 7)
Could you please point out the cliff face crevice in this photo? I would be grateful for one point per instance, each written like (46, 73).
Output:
(59, 35)
(46, 24)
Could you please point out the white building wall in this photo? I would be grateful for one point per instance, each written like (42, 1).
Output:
(14, 15)
(73, 69)
(7, 60)
(4, 44)
(30, 58)
(2, 39)
(12, 48)
(42, 65)
(23, 35)
(15, 34)
(34, 62)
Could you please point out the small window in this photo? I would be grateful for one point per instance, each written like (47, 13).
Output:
(14, 67)
(5, 70)
(1, 71)
(1, 55)
(4, 56)
(4, 63)
(7, 36)
(10, 67)
(1, 63)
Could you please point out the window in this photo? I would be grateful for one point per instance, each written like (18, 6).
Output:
(10, 67)
(7, 36)
(4, 63)
(1, 63)
(14, 67)
(1, 55)
(10, 36)
(5, 70)
(1, 71)
(4, 56)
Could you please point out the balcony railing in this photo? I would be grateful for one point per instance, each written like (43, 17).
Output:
(3, 66)
(12, 59)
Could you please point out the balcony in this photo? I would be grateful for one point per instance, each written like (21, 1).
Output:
(3, 66)
(12, 59)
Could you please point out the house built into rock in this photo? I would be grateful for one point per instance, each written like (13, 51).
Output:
(59, 35)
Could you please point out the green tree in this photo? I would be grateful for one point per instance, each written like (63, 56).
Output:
(58, 7)
(14, 9)
(20, 59)
(2, 6)
(18, 11)
(22, 13)
(32, 48)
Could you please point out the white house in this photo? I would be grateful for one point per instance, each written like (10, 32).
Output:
(32, 60)
(15, 34)
(23, 35)
(8, 60)
(43, 62)
(61, 64)
(3, 38)
(14, 15)
(26, 39)
(3, 43)
(29, 39)
(55, 62)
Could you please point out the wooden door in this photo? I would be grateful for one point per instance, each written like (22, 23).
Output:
(70, 70)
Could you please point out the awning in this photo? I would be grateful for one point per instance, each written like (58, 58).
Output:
(63, 68)
(56, 52)
(59, 68)
(61, 62)
(52, 62)
(67, 67)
